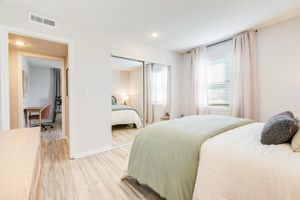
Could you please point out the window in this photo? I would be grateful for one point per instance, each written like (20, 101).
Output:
(219, 72)
(159, 84)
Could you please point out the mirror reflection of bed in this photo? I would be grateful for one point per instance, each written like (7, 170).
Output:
(140, 96)
(126, 99)
(126, 122)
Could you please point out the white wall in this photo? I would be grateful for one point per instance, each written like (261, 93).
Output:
(40, 84)
(136, 89)
(278, 59)
(90, 75)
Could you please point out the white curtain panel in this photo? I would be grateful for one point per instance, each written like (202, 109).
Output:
(198, 87)
(160, 83)
(168, 93)
(161, 91)
(148, 107)
(244, 88)
(157, 91)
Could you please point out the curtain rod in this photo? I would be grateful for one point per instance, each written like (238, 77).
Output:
(125, 58)
(216, 43)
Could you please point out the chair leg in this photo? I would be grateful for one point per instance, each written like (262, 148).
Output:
(44, 127)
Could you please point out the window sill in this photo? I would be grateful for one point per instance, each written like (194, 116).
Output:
(158, 104)
(219, 110)
(219, 107)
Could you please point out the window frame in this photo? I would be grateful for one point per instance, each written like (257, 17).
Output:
(229, 55)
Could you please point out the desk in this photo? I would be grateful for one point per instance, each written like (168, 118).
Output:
(29, 110)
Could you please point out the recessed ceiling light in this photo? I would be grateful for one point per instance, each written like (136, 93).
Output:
(19, 43)
(154, 34)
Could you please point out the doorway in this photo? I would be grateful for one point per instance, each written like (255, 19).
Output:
(38, 86)
(42, 95)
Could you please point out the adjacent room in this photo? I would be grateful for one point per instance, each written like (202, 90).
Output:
(37, 90)
(150, 100)
(42, 94)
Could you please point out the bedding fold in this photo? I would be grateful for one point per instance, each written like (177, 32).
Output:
(165, 155)
(122, 107)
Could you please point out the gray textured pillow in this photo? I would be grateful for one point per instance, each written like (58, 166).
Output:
(279, 129)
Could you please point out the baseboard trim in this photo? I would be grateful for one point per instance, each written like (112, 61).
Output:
(90, 152)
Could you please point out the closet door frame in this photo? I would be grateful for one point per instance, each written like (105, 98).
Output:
(143, 68)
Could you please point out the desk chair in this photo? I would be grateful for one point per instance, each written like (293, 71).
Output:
(44, 115)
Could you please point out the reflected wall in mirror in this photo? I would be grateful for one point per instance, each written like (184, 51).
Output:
(127, 99)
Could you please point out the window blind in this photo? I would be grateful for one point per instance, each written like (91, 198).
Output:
(219, 72)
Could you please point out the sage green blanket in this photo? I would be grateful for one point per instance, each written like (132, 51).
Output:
(165, 155)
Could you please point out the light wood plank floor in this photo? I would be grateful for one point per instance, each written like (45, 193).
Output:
(123, 134)
(93, 177)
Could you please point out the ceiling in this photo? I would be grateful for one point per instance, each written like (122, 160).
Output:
(42, 62)
(39, 46)
(181, 24)
(124, 64)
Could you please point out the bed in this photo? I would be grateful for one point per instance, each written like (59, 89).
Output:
(235, 165)
(122, 114)
(213, 157)
(165, 155)
(20, 164)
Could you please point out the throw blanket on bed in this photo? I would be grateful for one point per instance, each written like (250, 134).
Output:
(165, 155)
(121, 107)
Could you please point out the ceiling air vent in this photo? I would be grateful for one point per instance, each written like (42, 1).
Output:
(42, 20)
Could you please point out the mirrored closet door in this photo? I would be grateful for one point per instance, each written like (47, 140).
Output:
(127, 99)
(140, 96)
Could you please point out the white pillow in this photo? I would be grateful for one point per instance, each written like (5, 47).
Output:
(295, 145)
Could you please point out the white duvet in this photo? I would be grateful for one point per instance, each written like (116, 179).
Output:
(236, 166)
(125, 117)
